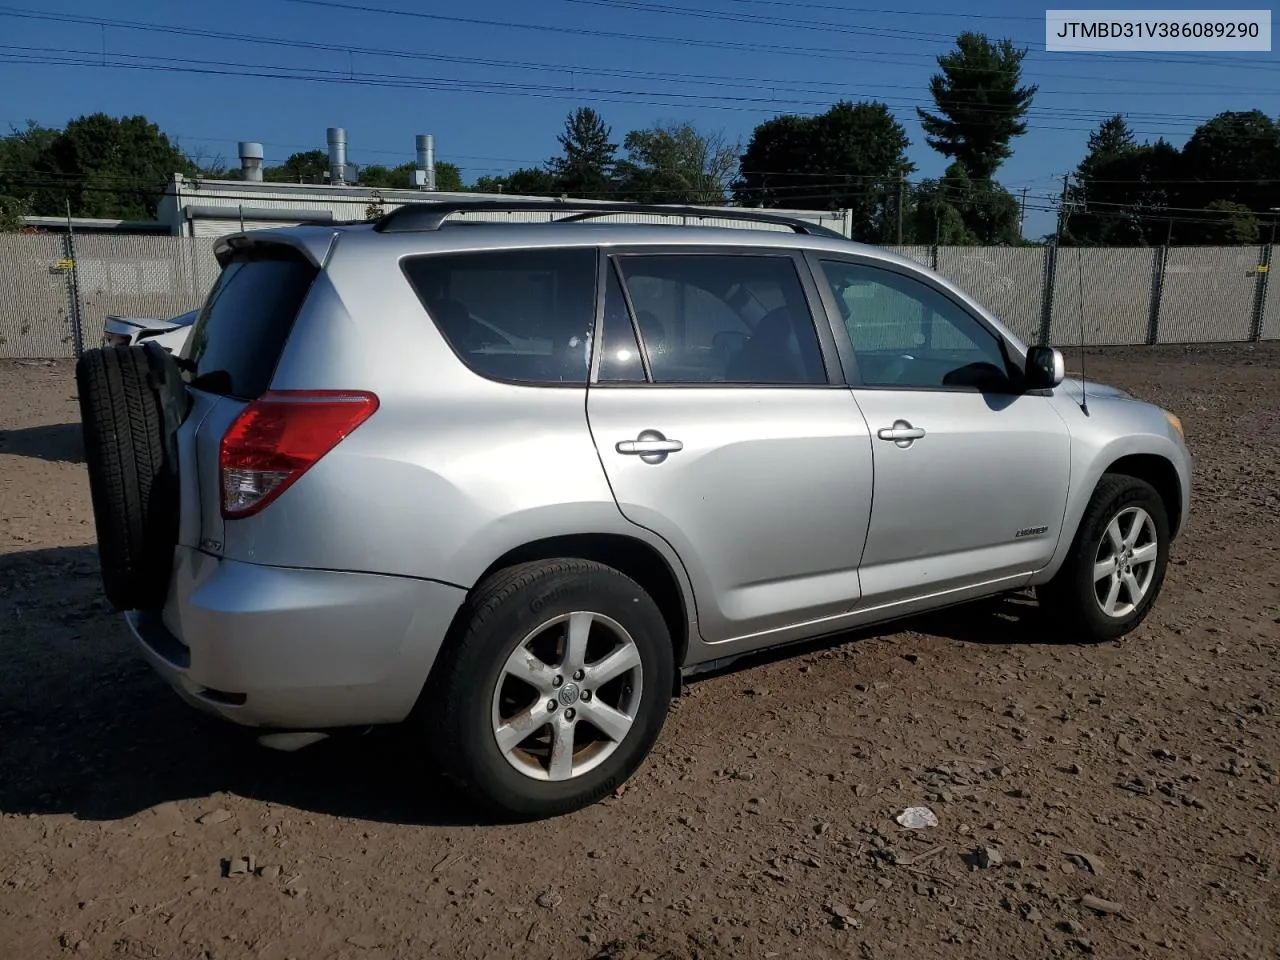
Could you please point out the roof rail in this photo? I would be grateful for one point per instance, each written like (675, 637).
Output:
(431, 215)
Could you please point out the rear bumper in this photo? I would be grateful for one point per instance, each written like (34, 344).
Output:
(295, 649)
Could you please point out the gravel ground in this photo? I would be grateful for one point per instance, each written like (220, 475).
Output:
(1142, 773)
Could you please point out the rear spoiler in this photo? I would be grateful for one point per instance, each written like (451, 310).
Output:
(316, 245)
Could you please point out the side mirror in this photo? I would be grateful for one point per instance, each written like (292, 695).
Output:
(1045, 368)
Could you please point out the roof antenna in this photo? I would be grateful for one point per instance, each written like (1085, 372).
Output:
(1084, 403)
(1064, 208)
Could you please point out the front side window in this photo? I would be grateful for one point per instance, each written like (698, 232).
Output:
(518, 315)
(733, 319)
(905, 333)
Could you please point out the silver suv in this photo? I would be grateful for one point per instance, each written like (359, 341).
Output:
(509, 482)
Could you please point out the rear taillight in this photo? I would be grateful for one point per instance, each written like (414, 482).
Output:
(280, 436)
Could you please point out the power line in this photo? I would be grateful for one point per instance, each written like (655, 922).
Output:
(1050, 112)
(886, 32)
(790, 50)
(546, 91)
(570, 69)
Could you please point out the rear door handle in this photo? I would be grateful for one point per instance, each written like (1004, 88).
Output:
(642, 447)
(650, 446)
(902, 433)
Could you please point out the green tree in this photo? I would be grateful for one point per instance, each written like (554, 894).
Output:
(586, 167)
(980, 102)
(1110, 145)
(1227, 223)
(309, 166)
(959, 209)
(1126, 198)
(852, 157)
(448, 176)
(527, 182)
(12, 212)
(1234, 156)
(675, 163)
(21, 152)
(104, 166)
(1112, 139)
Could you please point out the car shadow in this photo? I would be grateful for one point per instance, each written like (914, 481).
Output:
(56, 443)
(1005, 620)
(92, 732)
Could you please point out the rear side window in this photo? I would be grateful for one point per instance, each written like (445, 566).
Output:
(518, 315)
(237, 339)
(734, 319)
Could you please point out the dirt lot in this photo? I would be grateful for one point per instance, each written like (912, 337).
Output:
(1144, 773)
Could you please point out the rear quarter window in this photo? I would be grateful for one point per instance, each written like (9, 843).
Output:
(237, 339)
(524, 316)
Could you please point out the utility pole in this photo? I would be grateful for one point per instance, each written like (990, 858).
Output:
(1022, 214)
(1062, 210)
(902, 186)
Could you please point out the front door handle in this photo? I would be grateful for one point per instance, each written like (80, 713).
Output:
(902, 433)
(650, 446)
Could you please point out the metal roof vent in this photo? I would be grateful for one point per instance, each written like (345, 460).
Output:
(337, 138)
(426, 169)
(250, 161)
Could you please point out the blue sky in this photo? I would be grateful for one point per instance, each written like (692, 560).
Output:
(495, 96)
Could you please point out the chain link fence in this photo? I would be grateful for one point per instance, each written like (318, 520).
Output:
(36, 297)
(56, 291)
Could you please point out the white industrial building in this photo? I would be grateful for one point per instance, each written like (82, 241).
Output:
(197, 207)
(211, 208)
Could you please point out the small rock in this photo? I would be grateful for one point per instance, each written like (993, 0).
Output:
(1085, 946)
(843, 917)
(884, 882)
(549, 899)
(214, 816)
(821, 828)
(1032, 914)
(1097, 904)
(861, 790)
(269, 873)
(364, 941)
(1125, 745)
(1067, 926)
(865, 906)
(238, 866)
(917, 818)
(989, 857)
(911, 657)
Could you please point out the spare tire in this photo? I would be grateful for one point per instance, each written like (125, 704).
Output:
(132, 400)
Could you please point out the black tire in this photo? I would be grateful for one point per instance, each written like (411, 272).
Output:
(456, 716)
(133, 478)
(1069, 601)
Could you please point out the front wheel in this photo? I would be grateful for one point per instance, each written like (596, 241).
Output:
(1116, 566)
(554, 692)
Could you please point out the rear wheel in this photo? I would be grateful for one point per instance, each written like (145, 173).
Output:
(555, 691)
(1116, 566)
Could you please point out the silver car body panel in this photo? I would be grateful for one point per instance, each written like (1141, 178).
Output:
(304, 648)
(978, 498)
(783, 517)
(766, 504)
